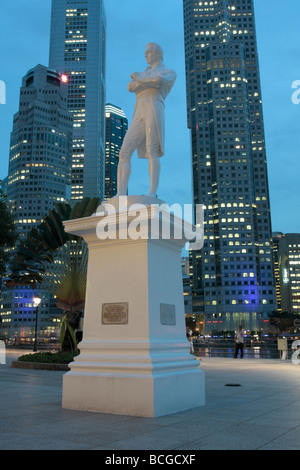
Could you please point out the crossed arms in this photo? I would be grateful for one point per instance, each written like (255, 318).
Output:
(154, 79)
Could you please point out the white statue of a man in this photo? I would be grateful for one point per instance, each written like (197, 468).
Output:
(146, 134)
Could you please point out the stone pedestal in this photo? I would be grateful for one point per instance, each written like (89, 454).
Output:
(134, 357)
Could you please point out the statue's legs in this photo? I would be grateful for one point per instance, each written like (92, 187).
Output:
(133, 138)
(124, 171)
(154, 172)
(143, 129)
(153, 149)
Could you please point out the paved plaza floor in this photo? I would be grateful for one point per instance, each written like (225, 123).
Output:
(262, 413)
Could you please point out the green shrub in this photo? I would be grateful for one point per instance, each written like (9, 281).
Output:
(49, 358)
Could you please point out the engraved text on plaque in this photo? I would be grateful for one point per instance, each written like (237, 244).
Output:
(115, 314)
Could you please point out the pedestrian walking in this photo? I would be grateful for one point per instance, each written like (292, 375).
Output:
(239, 342)
(189, 335)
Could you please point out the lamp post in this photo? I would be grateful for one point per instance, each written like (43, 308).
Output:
(37, 300)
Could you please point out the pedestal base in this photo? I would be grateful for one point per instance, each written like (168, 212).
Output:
(134, 358)
(148, 390)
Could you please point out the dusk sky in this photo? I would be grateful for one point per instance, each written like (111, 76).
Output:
(131, 24)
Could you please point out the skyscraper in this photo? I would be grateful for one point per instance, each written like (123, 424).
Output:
(40, 148)
(77, 51)
(39, 173)
(286, 253)
(115, 130)
(277, 270)
(233, 273)
(3, 188)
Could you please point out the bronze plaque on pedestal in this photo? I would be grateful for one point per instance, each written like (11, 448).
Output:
(115, 314)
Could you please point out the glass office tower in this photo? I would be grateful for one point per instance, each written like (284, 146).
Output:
(77, 51)
(286, 252)
(115, 130)
(38, 177)
(40, 149)
(233, 273)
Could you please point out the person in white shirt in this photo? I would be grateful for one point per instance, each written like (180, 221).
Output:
(189, 334)
(239, 342)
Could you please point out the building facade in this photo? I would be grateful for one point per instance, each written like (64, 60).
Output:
(40, 149)
(115, 129)
(286, 252)
(77, 51)
(39, 174)
(233, 273)
(3, 188)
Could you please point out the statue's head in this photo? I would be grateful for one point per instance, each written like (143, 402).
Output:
(154, 53)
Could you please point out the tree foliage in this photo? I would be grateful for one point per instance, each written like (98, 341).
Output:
(284, 321)
(8, 235)
(34, 254)
(56, 261)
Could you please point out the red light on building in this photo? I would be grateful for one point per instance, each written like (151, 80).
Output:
(64, 78)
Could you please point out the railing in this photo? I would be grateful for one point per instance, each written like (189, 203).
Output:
(263, 350)
(203, 348)
(47, 345)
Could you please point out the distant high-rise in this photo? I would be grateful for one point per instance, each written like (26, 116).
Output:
(3, 188)
(40, 149)
(116, 128)
(286, 249)
(233, 273)
(38, 177)
(77, 51)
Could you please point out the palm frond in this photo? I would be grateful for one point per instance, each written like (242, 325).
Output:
(65, 277)
(85, 208)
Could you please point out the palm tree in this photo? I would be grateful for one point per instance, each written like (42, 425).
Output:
(65, 278)
(8, 236)
(51, 259)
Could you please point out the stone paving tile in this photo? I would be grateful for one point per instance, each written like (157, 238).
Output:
(288, 441)
(95, 432)
(264, 413)
(238, 437)
(20, 441)
(155, 440)
(284, 416)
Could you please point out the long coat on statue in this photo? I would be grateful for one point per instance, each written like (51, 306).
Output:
(148, 124)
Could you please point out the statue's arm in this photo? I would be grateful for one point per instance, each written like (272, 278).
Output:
(134, 86)
(140, 81)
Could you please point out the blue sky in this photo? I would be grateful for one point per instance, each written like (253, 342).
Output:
(131, 24)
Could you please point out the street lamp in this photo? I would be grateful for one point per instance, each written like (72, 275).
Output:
(37, 300)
